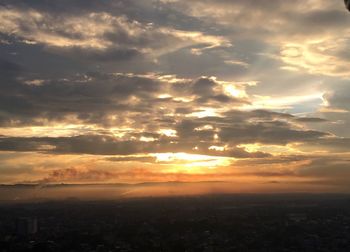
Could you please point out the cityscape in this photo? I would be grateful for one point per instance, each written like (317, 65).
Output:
(285, 222)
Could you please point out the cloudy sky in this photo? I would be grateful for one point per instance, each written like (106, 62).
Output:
(254, 92)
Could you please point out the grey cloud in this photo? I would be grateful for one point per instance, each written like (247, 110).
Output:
(279, 159)
(95, 97)
(268, 133)
(257, 114)
(194, 135)
(206, 90)
(209, 63)
(310, 120)
(326, 18)
(112, 33)
(257, 126)
(339, 98)
(337, 109)
(97, 145)
(147, 159)
(327, 168)
(73, 174)
(106, 145)
(89, 96)
(184, 110)
(204, 87)
(114, 54)
(157, 12)
(332, 144)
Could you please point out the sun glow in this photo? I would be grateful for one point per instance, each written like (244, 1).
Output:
(168, 132)
(234, 91)
(185, 162)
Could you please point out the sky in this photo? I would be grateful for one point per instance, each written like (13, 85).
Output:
(255, 93)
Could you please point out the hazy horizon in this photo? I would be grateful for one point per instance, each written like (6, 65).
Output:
(54, 192)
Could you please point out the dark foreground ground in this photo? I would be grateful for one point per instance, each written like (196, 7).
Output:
(202, 223)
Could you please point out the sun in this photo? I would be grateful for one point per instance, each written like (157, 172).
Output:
(190, 163)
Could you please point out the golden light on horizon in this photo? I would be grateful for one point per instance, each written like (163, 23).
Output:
(191, 163)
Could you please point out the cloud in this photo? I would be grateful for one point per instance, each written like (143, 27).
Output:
(338, 98)
(100, 98)
(77, 175)
(328, 171)
(311, 120)
(103, 35)
(120, 82)
(147, 159)
(198, 111)
(195, 135)
(89, 97)
(107, 145)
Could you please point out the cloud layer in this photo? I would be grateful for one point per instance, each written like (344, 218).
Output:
(162, 90)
